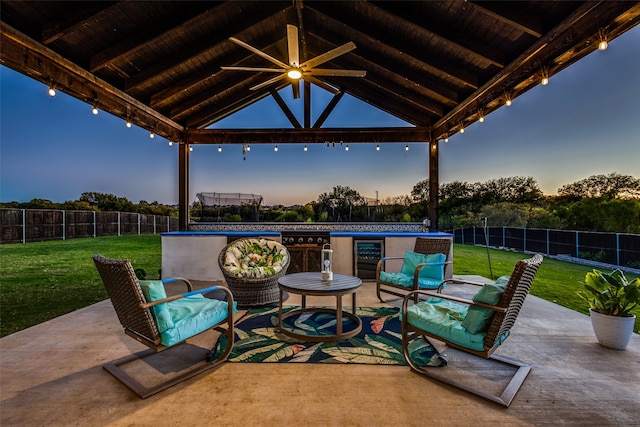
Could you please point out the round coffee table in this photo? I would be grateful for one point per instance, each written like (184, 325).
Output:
(310, 284)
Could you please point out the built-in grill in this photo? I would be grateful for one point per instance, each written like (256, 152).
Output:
(305, 249)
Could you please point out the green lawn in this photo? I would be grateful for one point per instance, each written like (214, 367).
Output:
(40, 281)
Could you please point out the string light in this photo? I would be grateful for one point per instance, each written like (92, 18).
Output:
(170, 143)
(603, 45)
(545, 77)
(191, 148)
(94, 110)
(480, 116)
(305, 148)
(128, 123)
(406, 147)
(446, 140)
(377, 147)
(219, 149)
(461, 128)
(248, 148)
(507, 99)
(346, 148)
(52, 91)
(152, 135)
(275, 148)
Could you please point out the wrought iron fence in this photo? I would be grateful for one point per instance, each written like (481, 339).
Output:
(611, 248)
(34, 225)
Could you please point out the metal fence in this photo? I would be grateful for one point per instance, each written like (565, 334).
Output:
(34, 225)
(611, 248)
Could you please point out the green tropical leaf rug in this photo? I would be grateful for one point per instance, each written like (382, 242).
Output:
(258, 340)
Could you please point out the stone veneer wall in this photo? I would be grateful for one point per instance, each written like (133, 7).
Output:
(308, 226)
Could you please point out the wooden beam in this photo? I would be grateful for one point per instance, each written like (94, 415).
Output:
(328, 109)
(434, 184)
(285, 108)
(505, 13)
(37, 61)
(183, 186)
(307, 104)
(309, 135)
(79, 17)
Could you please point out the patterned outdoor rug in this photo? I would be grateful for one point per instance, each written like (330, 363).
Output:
(379, 343)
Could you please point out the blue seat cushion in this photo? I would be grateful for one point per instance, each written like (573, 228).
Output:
(478, 319)
(183, 318)
(443, 318)
(192, 315)
(403, 280)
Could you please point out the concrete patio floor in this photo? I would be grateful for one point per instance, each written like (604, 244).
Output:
(51, 374)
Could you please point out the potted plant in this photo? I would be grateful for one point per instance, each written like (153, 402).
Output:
(611, 298)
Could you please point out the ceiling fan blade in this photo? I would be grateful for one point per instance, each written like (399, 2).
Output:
(328, 56)
(341, 73)
(321, 84)
(268, 82)
(259, 52)
(292, 42)
(266, 70)
(295, 85)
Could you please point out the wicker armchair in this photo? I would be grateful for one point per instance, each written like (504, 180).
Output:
(159, 322)
(424, 246)
(485, 325)
(251, 268)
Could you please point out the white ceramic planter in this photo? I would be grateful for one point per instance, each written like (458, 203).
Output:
(612, 331)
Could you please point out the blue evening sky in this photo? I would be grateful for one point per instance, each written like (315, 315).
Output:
(585, 122)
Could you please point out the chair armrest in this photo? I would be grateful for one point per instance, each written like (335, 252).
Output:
(409, 297)
(188, 294)
(175, 279)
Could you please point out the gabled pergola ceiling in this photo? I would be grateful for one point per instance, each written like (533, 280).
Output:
(437, 65)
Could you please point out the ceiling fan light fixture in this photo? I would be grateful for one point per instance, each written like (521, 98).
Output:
(294, 73)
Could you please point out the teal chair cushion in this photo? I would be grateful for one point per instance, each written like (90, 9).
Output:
(435, 269)
(478, 319)
(153, 290)
(400, 279)
(443, 318)
(192, 315)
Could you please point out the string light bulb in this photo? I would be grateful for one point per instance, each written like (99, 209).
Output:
(346, 148)
(603, 45)
(219, 148)
(94, 110)
(191, 148)
(377, 147)
(507, 101)
(248, 147)
(52, 91)
(275, 148)
(128, 123)
(406, 147)
(480, 116)
(170, 143)
(446, 140)
(305, 148)
(545, 77)
(152, 135)
(461, 128)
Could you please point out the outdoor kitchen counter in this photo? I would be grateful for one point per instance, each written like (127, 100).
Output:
(194, 254)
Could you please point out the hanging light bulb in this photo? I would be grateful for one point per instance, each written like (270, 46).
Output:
(507, 101)
(446, 140)
(545, 77)
(152, 135)
(219, 149)
(377, 147)
(52, 91)
(603, 45)
(305, 148)
(346, 148)
(248, 148)
(275, 148)
(191, 148)
(94, 110)
(406, 147)
(480, 116)
(170, 143)
(461, 128)
(128, 123)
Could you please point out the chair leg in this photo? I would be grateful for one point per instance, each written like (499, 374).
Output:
(143, 391)
(440, 374)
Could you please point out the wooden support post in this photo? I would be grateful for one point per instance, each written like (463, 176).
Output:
(434, 183)
(183, 186)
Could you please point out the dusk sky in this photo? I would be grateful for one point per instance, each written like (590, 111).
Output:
(585, 122)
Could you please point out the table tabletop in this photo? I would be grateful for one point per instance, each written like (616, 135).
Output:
(311, 282)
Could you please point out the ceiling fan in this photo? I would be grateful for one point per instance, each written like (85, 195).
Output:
(295, 70)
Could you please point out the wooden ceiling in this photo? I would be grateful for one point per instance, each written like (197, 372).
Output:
(438, 65)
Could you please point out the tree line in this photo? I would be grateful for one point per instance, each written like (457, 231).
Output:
(609, 203)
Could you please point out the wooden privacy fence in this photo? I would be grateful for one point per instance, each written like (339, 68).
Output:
(612, 248)
(34, 225)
